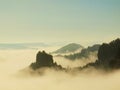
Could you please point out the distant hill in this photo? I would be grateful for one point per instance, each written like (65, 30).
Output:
(21, 45)
(84, 52)
(72, 47)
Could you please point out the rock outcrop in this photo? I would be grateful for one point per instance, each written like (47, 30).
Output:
(44, 60)
(108, 56)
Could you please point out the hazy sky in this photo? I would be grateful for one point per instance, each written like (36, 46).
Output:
(83, 21)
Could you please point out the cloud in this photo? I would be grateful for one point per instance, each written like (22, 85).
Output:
(12, 79)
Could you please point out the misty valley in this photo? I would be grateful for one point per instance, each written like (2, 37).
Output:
(71, 66)
(59, 44)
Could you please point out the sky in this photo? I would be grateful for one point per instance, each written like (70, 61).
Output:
(80, 21)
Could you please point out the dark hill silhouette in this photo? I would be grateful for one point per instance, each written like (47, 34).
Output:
(72, 47)
(44, 60)
(108, 56)
(84, 52)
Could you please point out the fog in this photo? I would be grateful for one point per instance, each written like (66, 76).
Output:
(77, 62)
(12, 78)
